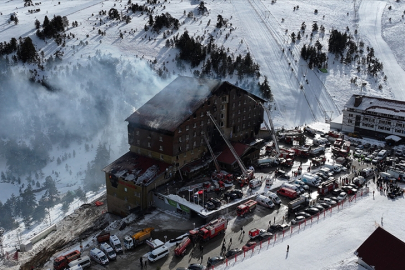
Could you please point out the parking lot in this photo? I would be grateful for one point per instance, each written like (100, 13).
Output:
(174, 226)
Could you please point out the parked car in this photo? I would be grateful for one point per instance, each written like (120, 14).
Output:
(325, 205)
(318, 206)
(342, 196)
(278, 228)
(297, 219)
(196, 266)
(369, 158)
(210, 206)
(312, 210)
(249, 245)
(233, 194)
(233, 252)
(336, 191)
(349, 190)
(327, 200)
(216, 202)
(214, 261)
(264, 236)
(302, 213)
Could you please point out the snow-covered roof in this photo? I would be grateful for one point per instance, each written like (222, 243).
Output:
(377, 105)
(393, 137)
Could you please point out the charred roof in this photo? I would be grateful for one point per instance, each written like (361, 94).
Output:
(176, 102)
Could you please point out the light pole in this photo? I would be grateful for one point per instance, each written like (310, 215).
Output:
(165, 238)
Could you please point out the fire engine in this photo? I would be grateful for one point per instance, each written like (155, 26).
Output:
(246, 208)
(181, 248)
(327, 186)
(209, 230)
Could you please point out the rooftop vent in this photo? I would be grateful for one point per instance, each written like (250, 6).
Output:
(357, 101)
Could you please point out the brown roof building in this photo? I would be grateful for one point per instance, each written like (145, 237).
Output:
(169, 130)
(382, 251)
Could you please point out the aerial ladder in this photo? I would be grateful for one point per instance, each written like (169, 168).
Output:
(271, 130)
(247, 175)
(218, 175)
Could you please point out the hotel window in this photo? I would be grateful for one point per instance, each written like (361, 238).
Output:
(194, 125)
(149, 145)
(161, 148)
(222, 116)
(160, 139)
(137, 132)
(125, 189)
(180, 139)
(202, 123)
(138, 142)
(187, 147)
(179, 130)
(187, 137)
(187, 127)
(161, 157)
(222, 107)
(221, 124)
(202, 114)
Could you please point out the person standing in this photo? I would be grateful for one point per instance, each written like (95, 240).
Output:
(140, 260)
(288, 248)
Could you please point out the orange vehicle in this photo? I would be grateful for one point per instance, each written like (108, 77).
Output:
(181, 249)
(246, 208)
(62, 261)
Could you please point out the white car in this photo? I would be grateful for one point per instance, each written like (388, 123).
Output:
(342, 196)
(302, 184)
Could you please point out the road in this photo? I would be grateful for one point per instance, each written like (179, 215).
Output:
(370, 29)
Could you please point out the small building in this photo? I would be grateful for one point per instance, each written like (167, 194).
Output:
(374, 116)
(381, 251)
(168, 138)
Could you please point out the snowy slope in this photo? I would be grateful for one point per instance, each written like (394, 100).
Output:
(370, 16)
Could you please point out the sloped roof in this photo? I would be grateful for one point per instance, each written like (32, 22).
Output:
(227, 157)
(174, 103)
(383, 251)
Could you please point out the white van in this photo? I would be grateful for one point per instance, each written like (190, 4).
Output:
(333, 167)
(98, 256)
(107, 249)
(84, 262)
(291, 186)
(75, 267)
(255, 183)
(382, 154)
(274, 198)
(115, 243)
(265, 201)
(158, 253)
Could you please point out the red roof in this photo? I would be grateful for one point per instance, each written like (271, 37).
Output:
(383, 251)
(227, 157)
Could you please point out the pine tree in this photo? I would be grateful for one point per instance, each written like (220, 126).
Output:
(46, 22)
(37, 24)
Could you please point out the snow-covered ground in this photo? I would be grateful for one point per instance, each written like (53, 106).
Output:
(260, 27)
(330, 243)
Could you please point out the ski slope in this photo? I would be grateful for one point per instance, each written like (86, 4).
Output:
(370, 13)
(298, 101)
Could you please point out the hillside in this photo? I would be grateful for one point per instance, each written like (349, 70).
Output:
(63, 114)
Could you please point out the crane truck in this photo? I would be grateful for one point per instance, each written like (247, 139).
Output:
(138, 238)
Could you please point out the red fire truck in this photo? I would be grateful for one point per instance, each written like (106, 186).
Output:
(209, 230)
(181, 248)
(246, 208)
(327, 186)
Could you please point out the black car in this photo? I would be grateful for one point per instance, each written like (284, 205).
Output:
(196, 266)
(264, 236)
(325, 205)
(232, 195)
(302, 213)
(278, 227)
(318, 206)
(216, 202)
(337, 191)
(214, 261)
(312, 211)
(233, 252)
(210, 206)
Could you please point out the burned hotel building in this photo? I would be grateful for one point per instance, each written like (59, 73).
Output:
(166, 138)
